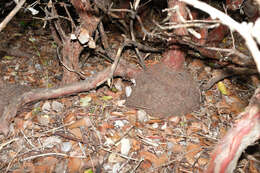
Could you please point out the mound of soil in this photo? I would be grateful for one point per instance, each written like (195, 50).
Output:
(162, 92)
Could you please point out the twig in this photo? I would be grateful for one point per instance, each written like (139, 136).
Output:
(193, 23)
(11, 162)
(27, 140)
(11, 15)
(138, 164)
(51, 154)
(228, 73)
(243, 29)
(121, 155)
(133, 16)
(73, 25)
(58, 25)
(126, 133)
(7, 143)
(103, 36)
(116, 61)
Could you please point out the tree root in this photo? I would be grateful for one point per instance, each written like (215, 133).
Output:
(124, 69)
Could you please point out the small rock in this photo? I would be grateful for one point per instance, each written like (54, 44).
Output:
(128, 91)
(51, 142)
(125, 146)
(155, 125)
(38, 67)
(57, 106)
(142, 116)
(44, 120)
(46, 107)
(66, 147)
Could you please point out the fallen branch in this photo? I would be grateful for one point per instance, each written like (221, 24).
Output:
(11, 14)
(123, 69)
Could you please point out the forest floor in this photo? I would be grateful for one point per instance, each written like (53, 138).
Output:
(94, 131)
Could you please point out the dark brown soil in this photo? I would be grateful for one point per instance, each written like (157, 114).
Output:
(164, 92)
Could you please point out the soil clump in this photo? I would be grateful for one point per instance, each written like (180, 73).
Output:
(162, 92)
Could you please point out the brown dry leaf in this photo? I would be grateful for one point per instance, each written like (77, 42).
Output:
(252, 167)
(132, 118)
(116, 136)
(114, 95)
(209, 96)
(131, 112)
(194, 127)
(175, 120)
(117, 114)
(235, 104)
(20, 170)
(105, 126)
(255, 81)
(69, 118)
(43, 168)
(66, 102)
(83, 122)
(115, 158)
(162, 160)
(222, 131)
(74, 165)
(146, 164)
(28, 167)
(76, 132)
(154, 121)
(19, 123)
(149, 156)
(136, 145)
(202, 75)
(190, 117)
(192, 150)
(27, 115)
(196, 63)
(177, 148)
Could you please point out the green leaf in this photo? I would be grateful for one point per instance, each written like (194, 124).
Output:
(8, 57)
(88, 171)
(222, 88)
(106, 98)
(84, 101)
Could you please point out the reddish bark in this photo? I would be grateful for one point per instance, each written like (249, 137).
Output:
(123, 69)
(71, 52)
(246, 131)
(72, 49)
(174, 57)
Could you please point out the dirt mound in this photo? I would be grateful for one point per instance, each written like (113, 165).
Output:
(163, 92)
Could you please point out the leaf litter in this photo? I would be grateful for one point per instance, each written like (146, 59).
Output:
(95, 131)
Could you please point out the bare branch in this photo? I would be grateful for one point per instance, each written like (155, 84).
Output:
(11, 15)
(244, 29)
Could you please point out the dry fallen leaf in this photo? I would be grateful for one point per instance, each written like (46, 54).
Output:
(149, 156)
(192, 150)
(83, 122)
(74, 165)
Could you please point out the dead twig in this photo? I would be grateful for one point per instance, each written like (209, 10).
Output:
(11, 15)
(133, 17)
(244, 29)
